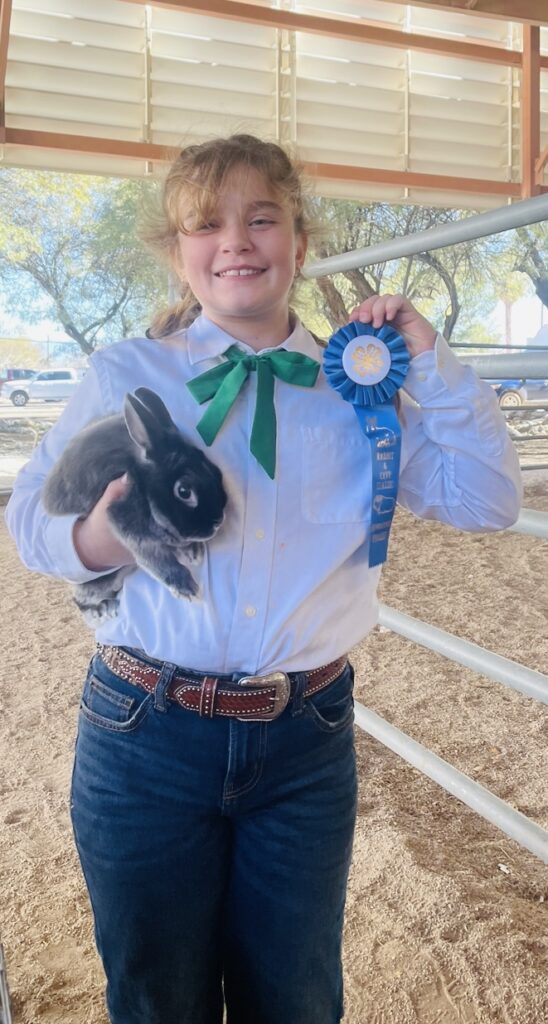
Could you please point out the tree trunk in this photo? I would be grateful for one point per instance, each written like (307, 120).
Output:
(508, 321)
(449, 282)
(360, 284)
(533, 263)
(334, 306)
(541, 288)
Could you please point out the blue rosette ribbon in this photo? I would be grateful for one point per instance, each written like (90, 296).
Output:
(367, 366)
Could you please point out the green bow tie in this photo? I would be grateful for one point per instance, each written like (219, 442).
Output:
(224, 382)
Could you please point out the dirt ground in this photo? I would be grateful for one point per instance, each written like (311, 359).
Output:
(447, 919)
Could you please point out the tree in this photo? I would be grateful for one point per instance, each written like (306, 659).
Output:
(20, 352)
(69, 252)
(441, 281)
(532, 257)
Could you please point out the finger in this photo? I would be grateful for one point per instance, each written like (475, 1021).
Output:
(364, 309)
(115, 489)
(378, 309)
(393, 305)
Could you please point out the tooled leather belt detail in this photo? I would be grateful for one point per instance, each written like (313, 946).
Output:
(252, 698)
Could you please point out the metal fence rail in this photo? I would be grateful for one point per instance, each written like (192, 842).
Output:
(502, 670)
(533, 684)
(528, 211)
(5, 1012)
(532, 364)
(481, 800)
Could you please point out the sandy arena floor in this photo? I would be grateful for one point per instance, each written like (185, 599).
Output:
(447, 920)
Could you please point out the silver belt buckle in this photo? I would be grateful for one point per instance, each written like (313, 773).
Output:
(280, 680)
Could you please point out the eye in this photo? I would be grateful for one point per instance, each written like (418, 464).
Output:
(261, 221)
(185, 494)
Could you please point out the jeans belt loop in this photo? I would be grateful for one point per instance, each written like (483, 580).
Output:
(160, 690)
(299, 687)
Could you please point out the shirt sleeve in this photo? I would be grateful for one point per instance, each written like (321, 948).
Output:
(458, 463)
(45, 542)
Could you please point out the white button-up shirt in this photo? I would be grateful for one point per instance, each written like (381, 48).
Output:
(285, 582)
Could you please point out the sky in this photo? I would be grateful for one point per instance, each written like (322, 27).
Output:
(528, 316)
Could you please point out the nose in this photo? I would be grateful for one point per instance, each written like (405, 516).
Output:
(236, 238)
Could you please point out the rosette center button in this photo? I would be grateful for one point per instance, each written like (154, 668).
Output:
(366, 360)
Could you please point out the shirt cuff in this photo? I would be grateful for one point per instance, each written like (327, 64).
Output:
(60, 545)
(433, 371)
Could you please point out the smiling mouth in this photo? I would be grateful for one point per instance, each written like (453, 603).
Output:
(244, 272)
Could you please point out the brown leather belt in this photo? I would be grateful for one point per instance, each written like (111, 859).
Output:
(251, 698)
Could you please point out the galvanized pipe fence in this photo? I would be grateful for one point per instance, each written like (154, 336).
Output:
(531, 363)
(516, 215)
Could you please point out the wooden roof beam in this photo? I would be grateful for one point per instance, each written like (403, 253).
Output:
(86, 144)
(343, 28)
(335, 172)
(5, 19)
(533, 12)
(413, 179)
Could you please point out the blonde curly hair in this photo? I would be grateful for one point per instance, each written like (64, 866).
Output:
(193, 184)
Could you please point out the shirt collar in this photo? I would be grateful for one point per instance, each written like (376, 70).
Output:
(205, 340)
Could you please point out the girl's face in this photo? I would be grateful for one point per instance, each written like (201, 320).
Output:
(241, 264)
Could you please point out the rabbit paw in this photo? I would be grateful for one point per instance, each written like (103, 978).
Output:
(182, 584)
(95, 615)
(191, 554)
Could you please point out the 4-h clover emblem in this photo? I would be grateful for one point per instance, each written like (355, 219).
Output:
(366, 363)
(366, 360)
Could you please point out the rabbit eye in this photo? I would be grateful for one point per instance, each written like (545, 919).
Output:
(185, 494)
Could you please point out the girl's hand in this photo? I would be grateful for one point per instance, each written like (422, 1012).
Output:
(96, 545)
(418, 334)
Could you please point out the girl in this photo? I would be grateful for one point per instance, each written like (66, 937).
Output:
(214, 788)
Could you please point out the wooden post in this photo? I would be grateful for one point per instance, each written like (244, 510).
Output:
(5, 18)
(530, 110)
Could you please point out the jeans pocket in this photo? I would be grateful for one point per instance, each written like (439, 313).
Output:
(115, 705)
(332, 710)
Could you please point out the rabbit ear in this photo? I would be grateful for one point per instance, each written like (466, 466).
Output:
(148, 420)
(154, 404)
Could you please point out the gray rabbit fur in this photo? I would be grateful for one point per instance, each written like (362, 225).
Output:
(175, 499)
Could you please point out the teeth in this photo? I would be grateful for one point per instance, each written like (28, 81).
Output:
(239, 273)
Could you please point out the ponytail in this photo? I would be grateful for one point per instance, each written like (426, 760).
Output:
(176, 317)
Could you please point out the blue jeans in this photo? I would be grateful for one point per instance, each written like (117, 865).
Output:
(216, 853)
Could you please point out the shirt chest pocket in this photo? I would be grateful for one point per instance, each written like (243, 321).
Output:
(336, 470)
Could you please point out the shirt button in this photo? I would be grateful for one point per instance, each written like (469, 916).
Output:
(421, 376)
(259, 534)
(250, 611)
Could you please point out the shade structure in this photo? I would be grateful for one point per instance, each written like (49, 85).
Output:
(131, 74)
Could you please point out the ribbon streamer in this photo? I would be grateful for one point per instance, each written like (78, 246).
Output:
(368, 374)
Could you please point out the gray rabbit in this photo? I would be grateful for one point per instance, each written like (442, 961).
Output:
(174, 503)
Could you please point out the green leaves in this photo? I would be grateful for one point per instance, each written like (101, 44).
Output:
(69, 251)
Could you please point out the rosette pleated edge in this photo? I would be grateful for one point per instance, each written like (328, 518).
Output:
(366, 394)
